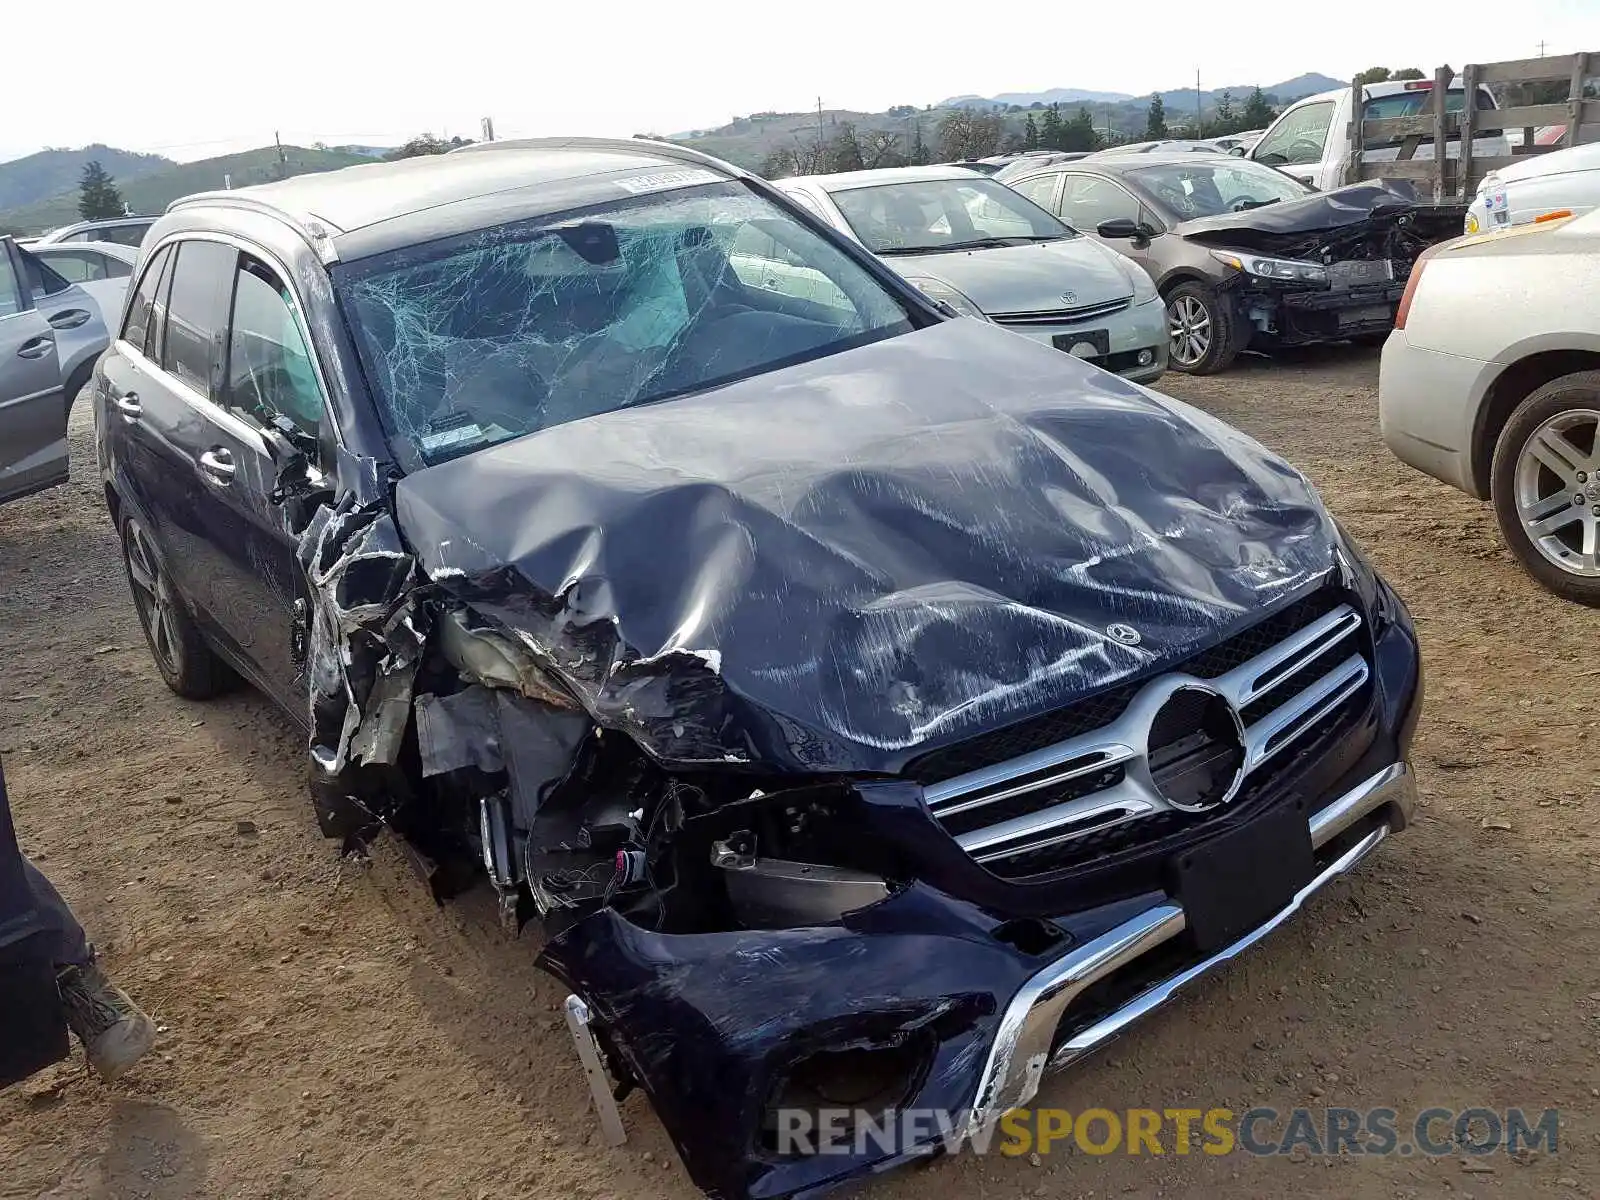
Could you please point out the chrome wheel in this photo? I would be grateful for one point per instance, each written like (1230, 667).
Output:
(1557, 491)
(153, 597)
(1189, 327)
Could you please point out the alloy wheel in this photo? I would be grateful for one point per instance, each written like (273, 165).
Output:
(1189, 327)
(152, 596)
(1557, 489)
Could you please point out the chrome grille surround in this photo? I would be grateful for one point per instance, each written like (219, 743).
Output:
(1102, 779)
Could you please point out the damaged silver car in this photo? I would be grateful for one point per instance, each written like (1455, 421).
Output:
(874, 709)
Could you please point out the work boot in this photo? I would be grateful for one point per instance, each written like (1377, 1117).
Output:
(114, 1031)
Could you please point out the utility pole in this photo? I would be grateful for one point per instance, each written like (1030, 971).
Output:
(283, 160)
(1199, 119)
(488, 129)
(1541, 47)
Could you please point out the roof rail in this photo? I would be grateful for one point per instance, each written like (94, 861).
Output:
(637, 145)
(316, 232)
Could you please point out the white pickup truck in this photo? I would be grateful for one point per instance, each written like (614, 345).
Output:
(1310, 140)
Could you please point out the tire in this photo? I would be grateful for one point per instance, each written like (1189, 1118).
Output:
(1204, 330)
(187, 665)
(1547, 455)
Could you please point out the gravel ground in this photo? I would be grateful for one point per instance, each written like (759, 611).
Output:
(328, 1032)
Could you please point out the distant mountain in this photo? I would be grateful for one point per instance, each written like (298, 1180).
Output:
(1026, 99)
(1182, 98)
(151, 193)
(38, 176)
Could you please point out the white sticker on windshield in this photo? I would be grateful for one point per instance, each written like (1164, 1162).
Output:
(447, 438)
(1188, 187)
(660, 181)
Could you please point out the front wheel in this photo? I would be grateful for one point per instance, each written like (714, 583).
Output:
(1203, 329)
(186, 663)
(1545, 483)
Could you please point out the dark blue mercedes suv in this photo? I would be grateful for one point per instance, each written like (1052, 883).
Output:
(868, 701)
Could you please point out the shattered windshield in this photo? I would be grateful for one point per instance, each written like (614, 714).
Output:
(502, 332)
(1207, 188)
(924, 215)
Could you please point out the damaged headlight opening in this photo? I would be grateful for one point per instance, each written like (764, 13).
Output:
(1287, 269)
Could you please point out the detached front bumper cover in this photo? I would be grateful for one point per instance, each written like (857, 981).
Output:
(710, 1025)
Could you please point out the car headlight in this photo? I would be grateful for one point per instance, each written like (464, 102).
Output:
(939, 290)
(1472, 222)
(1273, 268)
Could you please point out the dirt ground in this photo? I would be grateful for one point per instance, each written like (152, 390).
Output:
(328, 1032)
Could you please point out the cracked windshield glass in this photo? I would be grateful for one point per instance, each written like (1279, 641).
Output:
(945, 214)
(476, 339)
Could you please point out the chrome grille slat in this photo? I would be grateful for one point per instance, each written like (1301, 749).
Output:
(1091, 749)
(1125, 795)
(1295, 670)
(1063, 316)
(1318, 699)
(1243, 684)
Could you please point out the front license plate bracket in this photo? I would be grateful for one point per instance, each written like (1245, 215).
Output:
(1235, 881)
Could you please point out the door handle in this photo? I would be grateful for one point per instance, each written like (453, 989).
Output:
(70, 318)
(37, 347)
(217, 465)
(128, 404)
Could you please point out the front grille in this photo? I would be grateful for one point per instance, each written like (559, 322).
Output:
(1062, 316)
(1140, 761)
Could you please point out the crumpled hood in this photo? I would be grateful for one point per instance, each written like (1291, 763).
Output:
(1033, 278)
(843, 564)
(1299, 226)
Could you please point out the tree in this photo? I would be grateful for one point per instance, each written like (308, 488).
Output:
(1079, 133)
(1050, 133)
(1408, 73)
(98, 197)
(1030, 133)
(1373, 75)
(1225, 116)
(1155, 120)
(881, 148)
(844, 151)
(425, 143)
(1257, 113)
(920, 156)
(965, 134)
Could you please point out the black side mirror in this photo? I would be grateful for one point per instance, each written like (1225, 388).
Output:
(291, 449)
(1237, 152)
(1118, 227)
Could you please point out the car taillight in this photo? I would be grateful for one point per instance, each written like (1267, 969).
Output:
(1419, 85)
(1417, 268)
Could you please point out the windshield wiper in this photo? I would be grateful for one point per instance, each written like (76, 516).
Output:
(1247, 205)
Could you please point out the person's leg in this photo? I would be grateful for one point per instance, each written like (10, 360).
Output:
(114, 1031)
(70, 944)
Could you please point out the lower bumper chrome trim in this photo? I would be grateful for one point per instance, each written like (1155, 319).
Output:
(1021, 1053)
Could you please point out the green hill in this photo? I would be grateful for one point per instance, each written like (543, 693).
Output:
(151, 193)
(48, 173)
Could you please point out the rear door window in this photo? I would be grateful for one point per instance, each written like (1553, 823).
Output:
(197, 313)
(1041, 189)
(43, 280)
(135, 328)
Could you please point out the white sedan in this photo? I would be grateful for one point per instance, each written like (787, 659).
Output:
(1491, 382)
(1541, 187)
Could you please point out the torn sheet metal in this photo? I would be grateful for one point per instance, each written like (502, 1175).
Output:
(1300, 228)
(932, 542)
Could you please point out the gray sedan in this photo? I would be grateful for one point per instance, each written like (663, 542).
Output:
(985, 251)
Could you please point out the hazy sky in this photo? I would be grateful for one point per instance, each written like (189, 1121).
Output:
(191, 79)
